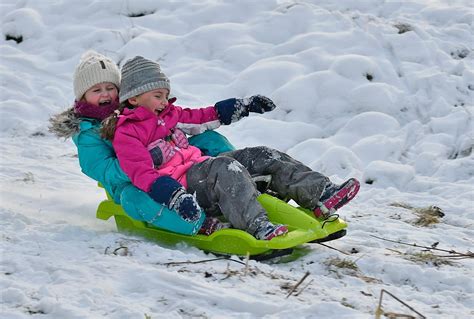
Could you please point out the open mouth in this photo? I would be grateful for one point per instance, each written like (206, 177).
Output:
(105, 103)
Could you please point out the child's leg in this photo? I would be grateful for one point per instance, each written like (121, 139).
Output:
(290, 178)
(223, 186)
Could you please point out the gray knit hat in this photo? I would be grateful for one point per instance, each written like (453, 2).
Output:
(94, 68)
(140, 75)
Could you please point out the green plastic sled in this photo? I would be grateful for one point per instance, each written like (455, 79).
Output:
(303, 228)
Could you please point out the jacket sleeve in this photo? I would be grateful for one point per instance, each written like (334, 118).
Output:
(98, 160)
(196, 121)
(134, 158)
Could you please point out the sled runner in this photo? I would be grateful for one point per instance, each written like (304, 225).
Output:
(302, 225)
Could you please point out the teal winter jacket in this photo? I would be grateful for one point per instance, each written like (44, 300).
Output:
(98, 160)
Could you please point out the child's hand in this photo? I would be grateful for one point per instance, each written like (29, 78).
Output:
(161, 152)
(232, 110)
(168, 191)
(259, 104)
(186, 206)
(180, 139)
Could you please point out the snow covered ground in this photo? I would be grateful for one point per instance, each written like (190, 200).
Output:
(379, 90)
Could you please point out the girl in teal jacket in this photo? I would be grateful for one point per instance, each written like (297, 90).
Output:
(96, 83)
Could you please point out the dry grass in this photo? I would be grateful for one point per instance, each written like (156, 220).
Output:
(427, 216)
(403, 27)
(342, 264)
(428, 258)
(348, 267)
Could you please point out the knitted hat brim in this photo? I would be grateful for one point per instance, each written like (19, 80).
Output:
(143, 89)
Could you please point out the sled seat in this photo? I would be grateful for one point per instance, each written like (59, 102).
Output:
(302, 225)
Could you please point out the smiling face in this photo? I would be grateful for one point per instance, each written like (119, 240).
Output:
(101, 94)
(155, 100)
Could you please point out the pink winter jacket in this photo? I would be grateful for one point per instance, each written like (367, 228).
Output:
(138, 127)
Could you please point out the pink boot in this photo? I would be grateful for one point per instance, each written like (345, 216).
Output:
(267, 230)
(212, 224)
(335, 196)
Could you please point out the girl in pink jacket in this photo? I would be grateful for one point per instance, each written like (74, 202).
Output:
(149, 137)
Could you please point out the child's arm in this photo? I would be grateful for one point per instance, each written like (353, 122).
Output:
(97, 159)
(134, 158)
(196, 121)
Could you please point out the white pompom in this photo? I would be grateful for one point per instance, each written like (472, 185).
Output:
(92, 56)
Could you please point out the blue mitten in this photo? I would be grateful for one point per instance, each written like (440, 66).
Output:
(259, 104)
(168, 191)
(232, 110)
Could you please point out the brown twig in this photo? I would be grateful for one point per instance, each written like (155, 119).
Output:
(395, 251)
(173, 263)
(116, 250)
(297, 284)
(342, 252)
(452, 252)
(379, 309)
(457, 256)
(124, 248)
(247, 258)
(299, 292)
(394, 315)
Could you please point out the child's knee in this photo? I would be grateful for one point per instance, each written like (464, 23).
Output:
(229, 164)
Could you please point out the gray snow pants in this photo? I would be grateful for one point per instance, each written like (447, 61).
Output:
(223, 185)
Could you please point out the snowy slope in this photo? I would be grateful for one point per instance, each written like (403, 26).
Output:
(379, 90)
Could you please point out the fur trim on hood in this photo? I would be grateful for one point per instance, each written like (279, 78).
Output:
(64, 124)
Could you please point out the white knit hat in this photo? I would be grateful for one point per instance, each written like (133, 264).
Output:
(140, 75)
(94, 68)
